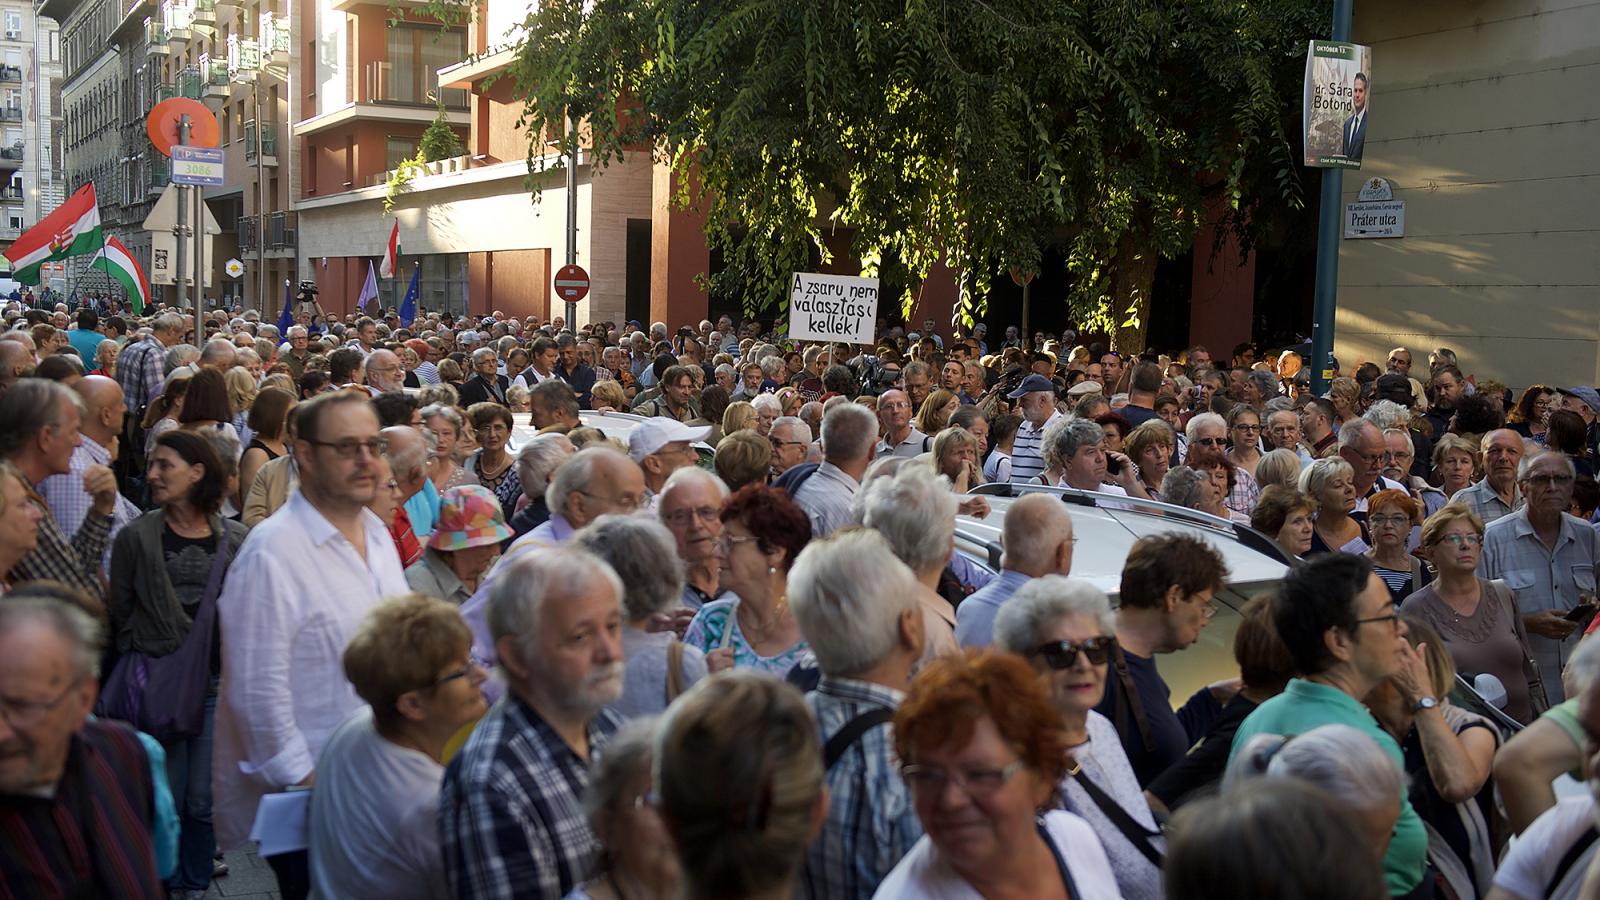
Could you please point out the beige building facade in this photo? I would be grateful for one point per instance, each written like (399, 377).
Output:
(1485, 119)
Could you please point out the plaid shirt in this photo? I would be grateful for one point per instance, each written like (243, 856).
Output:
(871, 823)
(511, 817)
(75, 562)
(1483, 500)
(142, 372)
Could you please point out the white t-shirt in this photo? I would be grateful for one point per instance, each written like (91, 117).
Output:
(1532, 860)
(374, 818)
(923, 873)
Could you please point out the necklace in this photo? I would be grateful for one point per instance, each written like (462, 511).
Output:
(763, 629)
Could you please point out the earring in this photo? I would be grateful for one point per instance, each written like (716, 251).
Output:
(772, 570)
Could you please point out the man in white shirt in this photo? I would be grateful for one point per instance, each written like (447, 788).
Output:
(103, 415)
(1038, 407)
(294, 597)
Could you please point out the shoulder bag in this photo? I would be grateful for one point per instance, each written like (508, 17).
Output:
(165, 696)
(1507, 598)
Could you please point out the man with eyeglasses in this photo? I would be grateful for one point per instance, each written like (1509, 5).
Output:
(1168, 583)
(295, 595)
(68, 782)
(1498, 493)
(689, 507)
(791, 441)
(1361, 445)
(900, 437)
(660, 447)
(1339, 625)
(1549, 557)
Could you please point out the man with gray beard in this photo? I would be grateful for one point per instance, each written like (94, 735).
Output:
(511, 813)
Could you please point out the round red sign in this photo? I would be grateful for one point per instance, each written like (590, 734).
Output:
(572, 283)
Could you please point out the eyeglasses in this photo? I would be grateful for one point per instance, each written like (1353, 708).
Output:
(1392, 618)
(1388, 521)
(1549, 480)
(790, 444)
(28, 713)
(1253, 429)
(726, 541)
(1064, 654)
(1461, 540)
(682, 517)
(629, 502)
(976, 782)
(350, 449)
(1210, 442)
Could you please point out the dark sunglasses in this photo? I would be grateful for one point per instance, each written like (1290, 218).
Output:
(1063, 654)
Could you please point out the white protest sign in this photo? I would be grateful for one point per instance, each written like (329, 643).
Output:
(832, 308)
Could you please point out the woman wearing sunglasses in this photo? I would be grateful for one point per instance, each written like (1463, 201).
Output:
(1065, 628)
(1477, 617)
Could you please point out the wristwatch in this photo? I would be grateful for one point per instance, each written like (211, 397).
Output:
(1424, 703)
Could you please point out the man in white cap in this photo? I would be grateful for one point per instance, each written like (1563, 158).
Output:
(1036, 397)
(661, 446)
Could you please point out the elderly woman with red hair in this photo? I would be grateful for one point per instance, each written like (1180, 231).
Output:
(1390, 516)
(763, 530)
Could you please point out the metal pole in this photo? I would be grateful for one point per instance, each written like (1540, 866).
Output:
(261, 203)
(1027, 302)
(1330, 219)
(199, 247)
(182, 224)
(572, 213)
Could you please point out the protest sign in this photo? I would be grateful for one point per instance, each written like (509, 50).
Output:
(832, 308)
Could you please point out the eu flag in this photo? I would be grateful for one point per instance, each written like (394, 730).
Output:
(408, 306)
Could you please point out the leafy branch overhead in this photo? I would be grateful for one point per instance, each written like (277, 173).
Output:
(979, 133)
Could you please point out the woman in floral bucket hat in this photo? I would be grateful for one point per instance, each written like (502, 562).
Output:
(463, 545)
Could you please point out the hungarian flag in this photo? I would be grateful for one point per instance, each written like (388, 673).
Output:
(117, 262)
(391, 254)
(72, 230)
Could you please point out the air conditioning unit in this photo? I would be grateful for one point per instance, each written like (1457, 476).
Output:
(13, 35)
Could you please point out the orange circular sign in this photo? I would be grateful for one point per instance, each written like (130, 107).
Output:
(162, 124)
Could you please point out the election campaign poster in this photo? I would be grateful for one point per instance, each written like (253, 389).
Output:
(832, 308)
(1338, 89)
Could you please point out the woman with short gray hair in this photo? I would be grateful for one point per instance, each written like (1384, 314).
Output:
(537, 461)
(657, 666)
(445, 469)
(1065, 628)
(916, 513)
(1341, 760)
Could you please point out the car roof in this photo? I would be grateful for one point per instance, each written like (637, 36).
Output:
(1106, 527)
(611, 424)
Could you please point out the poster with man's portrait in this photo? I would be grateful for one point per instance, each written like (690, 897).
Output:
(1337, 94)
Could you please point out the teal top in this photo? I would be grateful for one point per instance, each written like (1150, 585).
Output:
(1304, 705)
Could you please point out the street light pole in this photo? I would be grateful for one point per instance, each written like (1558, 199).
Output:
(1330, 219)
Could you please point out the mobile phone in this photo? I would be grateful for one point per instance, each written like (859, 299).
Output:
(1581, 614)
(1113, 465)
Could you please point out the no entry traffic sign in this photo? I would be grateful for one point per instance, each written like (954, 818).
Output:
(572, 283)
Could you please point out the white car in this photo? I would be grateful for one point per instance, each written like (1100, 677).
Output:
(1106, 528)
(616, 425)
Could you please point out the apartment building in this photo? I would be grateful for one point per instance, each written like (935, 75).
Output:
(30, 89)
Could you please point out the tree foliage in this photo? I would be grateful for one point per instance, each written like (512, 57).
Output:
(978, 133)
(439, 140)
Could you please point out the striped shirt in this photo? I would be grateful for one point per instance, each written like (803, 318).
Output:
(871, 823)
(90, 835)
(511, 816)
(1027, 450)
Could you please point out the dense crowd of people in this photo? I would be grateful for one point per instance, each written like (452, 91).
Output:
(495, 645)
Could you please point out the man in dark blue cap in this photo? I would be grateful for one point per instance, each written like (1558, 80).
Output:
(1585, 401)
(1036, 397)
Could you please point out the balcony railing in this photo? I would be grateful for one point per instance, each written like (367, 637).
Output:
(9, 194)
(282, 230)
(248, 234)
(10, 73)
(160, 92)
(7, 233)
(384, 84)
(10, 114)
(269, 139)
(205, 12)
(11, 156)
(216, 72)
(155, 37)
(189, 82)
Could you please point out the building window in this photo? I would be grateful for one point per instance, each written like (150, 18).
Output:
(396, 149)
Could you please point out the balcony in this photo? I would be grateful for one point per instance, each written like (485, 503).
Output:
(282, 231)
(269, 143)
(384, 84)
(11, 157)
(10, 73)
(11, 194)
(7, 233)
(158, 174)
(248, 234)
(189, 82)
(160, 92)
(155, 38)
(10, 114)
(205, 12)
(215, 84)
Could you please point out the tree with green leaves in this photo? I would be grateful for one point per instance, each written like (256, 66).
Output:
(439, 140)
(977, 133)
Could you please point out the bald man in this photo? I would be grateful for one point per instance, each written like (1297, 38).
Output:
(103, 414)
(217, 354)
(1037, 537)
(15, 362)
(384, 372)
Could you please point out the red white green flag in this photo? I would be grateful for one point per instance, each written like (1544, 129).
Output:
(117, 262)
(72, 230)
